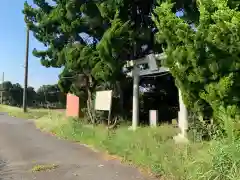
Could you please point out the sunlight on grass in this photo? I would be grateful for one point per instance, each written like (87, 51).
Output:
(46, 167)
(18, 112)
(151, 149)
(51, 122)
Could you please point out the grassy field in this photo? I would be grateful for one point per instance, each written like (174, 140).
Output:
(150, 149)
(18, 112)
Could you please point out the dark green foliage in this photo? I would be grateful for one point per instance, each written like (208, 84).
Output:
(46, 95)
(83, 36)
(91, 40)
(117, 30)
(50, 96)
(12, 93)
(204, 60)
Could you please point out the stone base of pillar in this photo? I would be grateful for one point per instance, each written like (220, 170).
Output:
(131, 128)
(180, 138)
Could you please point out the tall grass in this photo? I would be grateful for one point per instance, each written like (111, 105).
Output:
(153, 149)
(149, 148)
(18, 112)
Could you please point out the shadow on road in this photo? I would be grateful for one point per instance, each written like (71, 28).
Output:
(2, 165)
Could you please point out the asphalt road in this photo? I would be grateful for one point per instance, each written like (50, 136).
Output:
(22, 147)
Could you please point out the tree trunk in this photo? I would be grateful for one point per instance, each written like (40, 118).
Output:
(119, 89)
(89, 111)
(89, 100)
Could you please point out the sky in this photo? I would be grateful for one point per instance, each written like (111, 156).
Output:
(13, 48)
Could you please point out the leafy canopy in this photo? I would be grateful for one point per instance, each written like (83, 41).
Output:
(205, 58)
(83, 37)
(106, 32)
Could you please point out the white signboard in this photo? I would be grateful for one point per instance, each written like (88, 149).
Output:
(103, 100)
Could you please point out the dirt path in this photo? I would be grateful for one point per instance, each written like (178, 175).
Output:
(22, 147)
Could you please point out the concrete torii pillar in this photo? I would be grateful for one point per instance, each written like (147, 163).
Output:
(135, 105)
(182, 120)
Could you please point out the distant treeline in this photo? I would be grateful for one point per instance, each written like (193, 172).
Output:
(47, 96)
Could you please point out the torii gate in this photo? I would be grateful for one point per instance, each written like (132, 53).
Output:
(149, 62)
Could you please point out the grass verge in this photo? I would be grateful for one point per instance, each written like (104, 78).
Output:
(18, 112)
(153, 149)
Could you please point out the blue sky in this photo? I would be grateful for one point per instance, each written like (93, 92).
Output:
(12, 48)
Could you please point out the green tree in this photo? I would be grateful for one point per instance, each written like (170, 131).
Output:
(31, 96)
(98, 61)
(13, 94)
(63, 23)
(6, 87)
(51, 96)
(205, 59)
(16, 92)
(92, 39)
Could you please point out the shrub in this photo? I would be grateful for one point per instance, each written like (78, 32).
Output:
(204, 59)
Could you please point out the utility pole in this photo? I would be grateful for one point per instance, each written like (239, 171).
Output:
(26, 74)
(2, 88)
